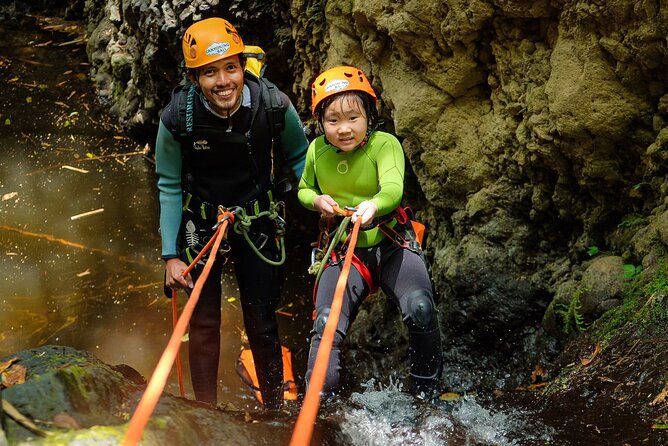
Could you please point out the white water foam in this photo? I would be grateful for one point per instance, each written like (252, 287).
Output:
(388, 417)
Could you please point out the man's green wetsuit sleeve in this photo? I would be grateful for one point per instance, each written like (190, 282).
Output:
(168, 167)
(293, 141)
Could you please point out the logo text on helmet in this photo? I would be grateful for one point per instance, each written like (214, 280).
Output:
(217, 49)
(336, 85)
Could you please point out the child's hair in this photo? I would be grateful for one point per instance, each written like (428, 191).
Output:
(367, 103)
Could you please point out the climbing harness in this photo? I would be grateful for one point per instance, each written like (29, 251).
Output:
(413, 229)
(245, 214)
(276, 213)
(409, 237)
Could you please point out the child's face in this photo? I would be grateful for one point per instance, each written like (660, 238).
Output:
(345, 122)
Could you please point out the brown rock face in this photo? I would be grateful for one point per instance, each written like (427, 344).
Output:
(535, 130)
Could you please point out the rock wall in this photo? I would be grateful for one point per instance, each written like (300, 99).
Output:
(533, 128)
(535, 133)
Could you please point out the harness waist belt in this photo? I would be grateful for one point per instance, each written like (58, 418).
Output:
(209, 211)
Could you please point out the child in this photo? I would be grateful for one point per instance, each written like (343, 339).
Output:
(355, 165)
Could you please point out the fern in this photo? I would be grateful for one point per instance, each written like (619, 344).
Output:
(571, 314)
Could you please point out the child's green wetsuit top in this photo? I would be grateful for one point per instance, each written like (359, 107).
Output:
(373, 172)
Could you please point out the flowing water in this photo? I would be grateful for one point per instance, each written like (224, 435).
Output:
(94, 281)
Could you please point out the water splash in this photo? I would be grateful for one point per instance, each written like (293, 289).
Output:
(387, 416)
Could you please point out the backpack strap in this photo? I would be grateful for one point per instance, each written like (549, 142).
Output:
(273, 105)
(271, 99)
(185, 97)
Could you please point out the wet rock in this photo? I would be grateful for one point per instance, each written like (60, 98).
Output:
(77, 399)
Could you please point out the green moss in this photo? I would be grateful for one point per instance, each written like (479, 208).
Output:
(98, 435)
(315, 16)
(644, 308)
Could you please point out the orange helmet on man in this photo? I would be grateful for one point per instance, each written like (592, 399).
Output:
(210, 40)
(338, 79)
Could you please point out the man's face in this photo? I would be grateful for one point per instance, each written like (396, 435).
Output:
(222, 82)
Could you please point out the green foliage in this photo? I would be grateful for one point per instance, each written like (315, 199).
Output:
(592, 251)
(571, 314)
(630, 222)
(630, 271)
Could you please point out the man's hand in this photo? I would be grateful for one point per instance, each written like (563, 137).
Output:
(174, 275)
(366, 210)
(325, 205)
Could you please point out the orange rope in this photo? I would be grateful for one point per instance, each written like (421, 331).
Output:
(175, 318)
(175, 310)
(157, 382)
(306, 420)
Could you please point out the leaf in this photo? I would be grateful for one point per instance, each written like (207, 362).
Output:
(661, 397)
(15, 374)
(630, 270)
(29, 99)
(449, 396)
(586, 361)
(6, 197)
(538, 375)
(8, 121)
(5, 365)
(660, 426)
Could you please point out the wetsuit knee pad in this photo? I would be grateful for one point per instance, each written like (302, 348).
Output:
(319, 324)
(420, 314)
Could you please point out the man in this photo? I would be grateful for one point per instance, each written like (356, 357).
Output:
(215, 147)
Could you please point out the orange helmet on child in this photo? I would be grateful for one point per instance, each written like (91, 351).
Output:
(210, 40)
(336, 80)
